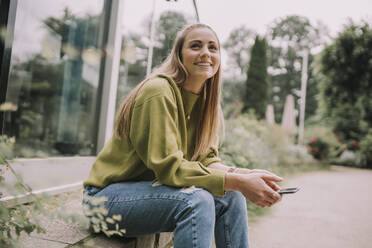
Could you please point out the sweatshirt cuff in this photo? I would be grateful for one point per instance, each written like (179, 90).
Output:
(208, 161)
(218, 187)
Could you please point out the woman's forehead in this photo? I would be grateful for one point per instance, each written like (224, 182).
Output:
(203, 34)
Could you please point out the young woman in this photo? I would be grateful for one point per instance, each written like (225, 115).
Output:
(161, 171)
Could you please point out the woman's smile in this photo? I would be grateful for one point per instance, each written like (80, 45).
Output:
(201, 57)
(203, 65)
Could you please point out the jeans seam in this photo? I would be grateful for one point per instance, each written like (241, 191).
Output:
(194, 233)
(227, 233)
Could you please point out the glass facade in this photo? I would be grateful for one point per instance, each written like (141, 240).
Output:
(54, 77)
(169, 18)
(63, 71)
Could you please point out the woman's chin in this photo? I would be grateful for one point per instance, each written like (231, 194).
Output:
(203, 75)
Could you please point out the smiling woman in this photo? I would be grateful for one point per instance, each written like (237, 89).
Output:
(201, 58)
(161, 171)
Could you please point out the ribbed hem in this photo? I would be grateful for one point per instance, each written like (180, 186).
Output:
(218, 187)
(208, 161)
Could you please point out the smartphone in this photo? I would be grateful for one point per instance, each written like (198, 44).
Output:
(288, 190)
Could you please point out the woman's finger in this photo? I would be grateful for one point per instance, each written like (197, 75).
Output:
(273, 196)
(268, 177)
(273, 185)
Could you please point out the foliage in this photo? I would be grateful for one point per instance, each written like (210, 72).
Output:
(238, 46)
(135, 50)
(253, 144)
(316, 127)
(257, 85)
(366, 148)
(288, 37)
(318, 148)
(13, 222)
(95, 210)
(250, 143)
(346, 84)
(167, 27)
(232, 97)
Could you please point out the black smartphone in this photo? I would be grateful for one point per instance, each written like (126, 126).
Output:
(288, 190)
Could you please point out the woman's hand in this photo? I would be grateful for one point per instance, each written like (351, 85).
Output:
(259, 187)
(272, 184)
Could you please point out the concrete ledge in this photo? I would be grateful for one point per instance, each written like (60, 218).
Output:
(73, 235)
(52, 175)
(11, 201)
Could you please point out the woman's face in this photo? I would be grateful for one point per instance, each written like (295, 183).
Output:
(201, 54)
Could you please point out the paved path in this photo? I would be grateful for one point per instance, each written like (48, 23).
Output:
(332, 209)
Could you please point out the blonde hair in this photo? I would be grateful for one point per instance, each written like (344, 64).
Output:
(211, 117)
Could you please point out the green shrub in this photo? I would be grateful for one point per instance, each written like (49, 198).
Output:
(366, 149)
(345, 72)
(318, 148)
(25, 219)
(250, 143)
(13, 221)
(254, 144)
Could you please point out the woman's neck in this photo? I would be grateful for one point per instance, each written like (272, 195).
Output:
(193, 85)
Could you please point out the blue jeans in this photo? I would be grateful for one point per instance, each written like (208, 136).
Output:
(193, 214)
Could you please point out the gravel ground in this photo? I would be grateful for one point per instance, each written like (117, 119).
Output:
(332, 209)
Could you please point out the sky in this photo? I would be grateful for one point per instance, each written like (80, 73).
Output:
(258, 14)
(224, 15)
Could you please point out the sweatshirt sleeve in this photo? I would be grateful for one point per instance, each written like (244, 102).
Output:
(210, 157)
(155, 136)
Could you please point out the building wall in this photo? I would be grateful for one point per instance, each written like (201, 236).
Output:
(71, 63)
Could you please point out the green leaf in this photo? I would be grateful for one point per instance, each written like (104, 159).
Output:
(96, 229)
(110, 220)
(117, 217)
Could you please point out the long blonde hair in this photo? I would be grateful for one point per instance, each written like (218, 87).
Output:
(211, 117)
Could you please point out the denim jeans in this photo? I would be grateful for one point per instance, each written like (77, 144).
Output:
(193, 214)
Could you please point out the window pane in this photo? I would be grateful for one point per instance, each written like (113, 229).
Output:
(170, 17)
(54, 77)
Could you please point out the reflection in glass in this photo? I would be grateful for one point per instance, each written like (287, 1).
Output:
(170, 18)
(54, 77)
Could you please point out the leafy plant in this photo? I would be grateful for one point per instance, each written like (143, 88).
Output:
(24, 219)
(366, 148)
(345, 74)
(251, 143)
(14, 221)
(95, 210)
(318, 148)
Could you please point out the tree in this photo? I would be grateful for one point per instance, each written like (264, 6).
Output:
(257, 86)
(167, 27)
(288, 37)
(137, 45)
(346, 85)
(238, 46)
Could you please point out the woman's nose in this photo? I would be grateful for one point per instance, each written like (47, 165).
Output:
(205, 52)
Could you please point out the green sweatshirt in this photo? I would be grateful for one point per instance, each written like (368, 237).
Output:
(160, 143)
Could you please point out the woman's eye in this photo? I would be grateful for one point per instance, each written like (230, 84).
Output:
(213, 48)
(195, 46)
